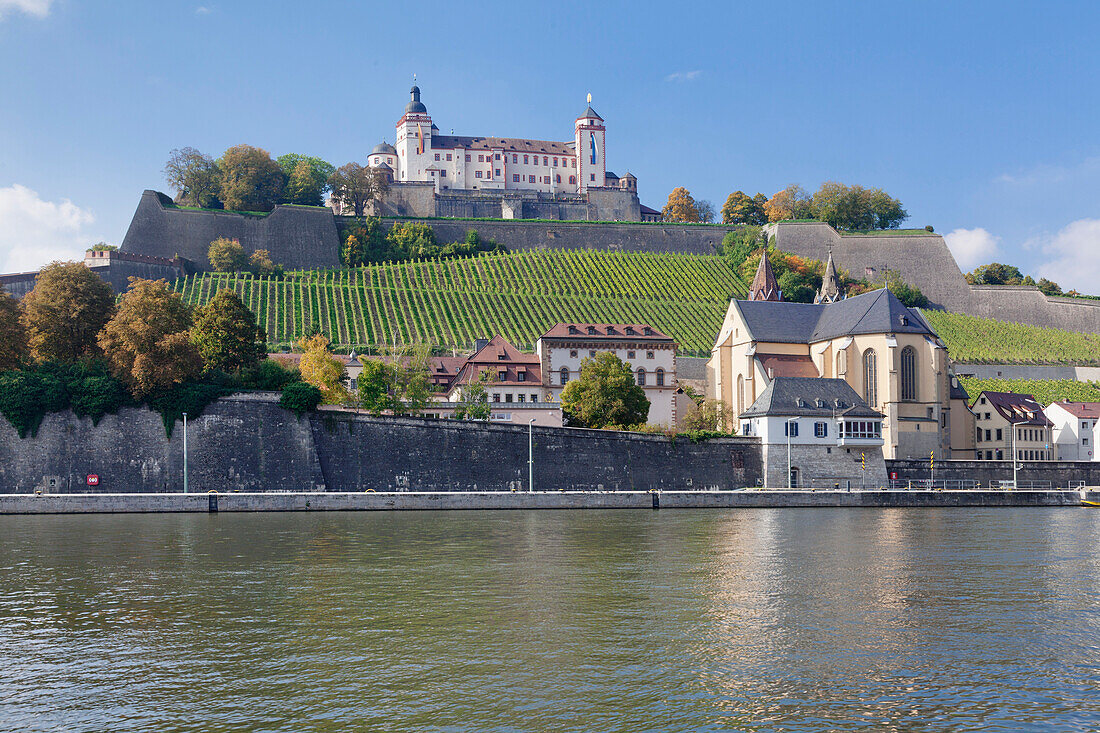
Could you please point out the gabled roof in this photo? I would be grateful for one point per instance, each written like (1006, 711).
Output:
(508, 144)
(802, 323)
(605, 331)
(1083, 410)
(498, 357)
(1021, 409)
(809, 397)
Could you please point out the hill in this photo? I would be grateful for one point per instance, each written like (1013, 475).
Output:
(986, 341)
(519, 295)
(1045, 391)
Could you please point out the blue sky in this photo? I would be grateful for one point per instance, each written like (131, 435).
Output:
(981, 117)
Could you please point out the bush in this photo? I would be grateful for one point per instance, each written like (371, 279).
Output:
(26, 397)
(299, 397)
(94, 397)
(189, 397)
(269, 375)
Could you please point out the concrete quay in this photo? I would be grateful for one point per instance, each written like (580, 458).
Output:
(390, 501)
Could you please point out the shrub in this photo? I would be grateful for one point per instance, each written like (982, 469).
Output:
(269, 375)
(299, 397)
(94, 397)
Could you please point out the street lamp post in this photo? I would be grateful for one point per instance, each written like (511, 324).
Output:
(185, 452)
(530, 455)
(788, 431)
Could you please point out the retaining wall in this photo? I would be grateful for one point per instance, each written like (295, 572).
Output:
(1056, 473)
(249, 443)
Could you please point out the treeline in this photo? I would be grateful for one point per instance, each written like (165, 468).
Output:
(996, 273)
(366, 241)
(837, 204)
(67, 344)
(246, 178)
(799, 278)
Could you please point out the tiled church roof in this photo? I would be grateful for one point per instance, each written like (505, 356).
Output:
(509, 144)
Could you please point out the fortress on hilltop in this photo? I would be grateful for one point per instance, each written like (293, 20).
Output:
(432, 174)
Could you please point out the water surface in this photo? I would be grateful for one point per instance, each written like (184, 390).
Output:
(789, 620)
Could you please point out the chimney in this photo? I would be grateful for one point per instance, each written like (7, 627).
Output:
(480, 344)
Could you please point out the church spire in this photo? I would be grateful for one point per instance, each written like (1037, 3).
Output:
(764, 285)
(830, 283)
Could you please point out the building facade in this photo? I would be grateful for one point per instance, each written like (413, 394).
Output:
(820, 431)
(1008, 422)
(650, 354)
(885, 351)
(1076, 428)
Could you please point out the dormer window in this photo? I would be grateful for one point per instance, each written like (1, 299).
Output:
(800, 402)
(820, 402)
(591, 330)
(502, 356)
(905, 320)
(648, 331)
(574, 330)
(629, 330)
(610, 331)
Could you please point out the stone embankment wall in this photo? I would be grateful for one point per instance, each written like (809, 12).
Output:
(1055, 473)
(249, 443)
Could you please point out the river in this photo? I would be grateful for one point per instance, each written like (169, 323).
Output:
(691, 620)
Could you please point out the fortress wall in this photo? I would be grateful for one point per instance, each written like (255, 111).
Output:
(248, 443)
(296, 237)
(1022, 304)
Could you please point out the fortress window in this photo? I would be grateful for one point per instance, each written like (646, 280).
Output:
(630, 355)
(498, 171)
(521, 397)
(641, 377)
(564, 375)
(467, 157)
(649, 354)
(591, 176)
(515, 158)
(515, 178)
(496, 396)
(448, 156)
(660, 377)
(545, 160)
(555, 162)
(477, 174)
(525, 159)
(546, 179)
(573, 354)
(557, 179)
(573, 180)
(442, 174)
(437, 156)
(498, 156)
(530, 179)
(534, 397)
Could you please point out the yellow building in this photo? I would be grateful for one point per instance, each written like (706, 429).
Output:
(887, 352)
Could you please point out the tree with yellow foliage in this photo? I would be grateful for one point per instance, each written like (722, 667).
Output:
(791, 203)
(321, 369)
(680, 207)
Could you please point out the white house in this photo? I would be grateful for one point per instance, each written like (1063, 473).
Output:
(650, 354)
(820, 429)
(1076, 429)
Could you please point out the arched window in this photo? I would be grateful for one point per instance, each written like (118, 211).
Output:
(909, 373)
(740, 394)
(660, 377)
(557, 179)
(841, 362)
(870, 378)
(641, 377)
(564, 375)
(573, 180)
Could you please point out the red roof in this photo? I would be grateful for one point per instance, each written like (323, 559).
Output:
(1085, 410)
(504, 361)
(606, 331)
(787, 365)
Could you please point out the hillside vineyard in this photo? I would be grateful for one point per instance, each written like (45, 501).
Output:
(518, 295)
(975, 340)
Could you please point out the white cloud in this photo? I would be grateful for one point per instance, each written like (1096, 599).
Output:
(684, 75)
(1075, 253)
(37, 8)
(35, 232)
(972, 247)
(202, 10)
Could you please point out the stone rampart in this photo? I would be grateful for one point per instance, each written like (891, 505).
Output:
(297, 237)
(249, 443)
(1053, 473)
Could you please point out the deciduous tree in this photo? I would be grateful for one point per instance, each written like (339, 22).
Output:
(148, 341)
(605, 394)
(321, 369)
(65, 311)
(705, 210)
(355, 186)
(13, 335)
(378, 386)
(226, 334)
(741, 209)
(791, 203)
(227, 255)
(260, 263)
(473, 402)
(680, 206)
(307, 178)
(250, 179)
(195, 177)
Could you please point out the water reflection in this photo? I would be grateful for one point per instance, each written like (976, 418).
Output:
(610, 620)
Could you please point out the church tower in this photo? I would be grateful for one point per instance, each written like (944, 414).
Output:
(588, 141)
(764, 285)
(830, 284)
(414, 139)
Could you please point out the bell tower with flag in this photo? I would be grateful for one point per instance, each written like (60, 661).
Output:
(413, 139)
(588, 137)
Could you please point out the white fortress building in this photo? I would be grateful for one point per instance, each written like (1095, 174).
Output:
(512, 178)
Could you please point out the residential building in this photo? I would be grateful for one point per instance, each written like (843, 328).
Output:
(885, 351)
(650, 354)
(962, 422)
(998, 415)
(515, 388)
(1076, 428)
(821, 429)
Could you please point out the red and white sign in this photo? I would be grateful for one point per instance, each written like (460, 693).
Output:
(894, 475)
(93, 479)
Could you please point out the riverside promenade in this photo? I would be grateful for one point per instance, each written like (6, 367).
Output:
(390, 501)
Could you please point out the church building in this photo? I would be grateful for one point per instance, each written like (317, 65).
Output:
(885, 351)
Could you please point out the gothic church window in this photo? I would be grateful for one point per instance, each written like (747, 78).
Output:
(908, 373)
(870, 378)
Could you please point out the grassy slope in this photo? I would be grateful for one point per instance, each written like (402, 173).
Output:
(518, 295)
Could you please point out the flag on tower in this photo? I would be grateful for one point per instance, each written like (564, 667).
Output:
(595, 148)
(419, 139)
